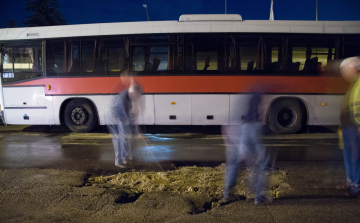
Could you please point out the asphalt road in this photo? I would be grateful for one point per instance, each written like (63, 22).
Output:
(44, 177)
(57, 148)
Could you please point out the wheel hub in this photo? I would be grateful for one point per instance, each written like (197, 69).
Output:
(79, 115)
(286, 117)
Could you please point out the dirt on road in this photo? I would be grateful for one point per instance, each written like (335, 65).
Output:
(186, 180)
(54, 195)
(186, 194)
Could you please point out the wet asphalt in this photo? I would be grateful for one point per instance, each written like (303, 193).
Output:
(35, 186)
(57, 148)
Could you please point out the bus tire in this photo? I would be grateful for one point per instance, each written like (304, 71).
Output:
(286, 116)
(80, 115)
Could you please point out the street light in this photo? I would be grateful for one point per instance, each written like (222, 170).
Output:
(225, 6)
(316, 10)
(147, 14)
(272, 10)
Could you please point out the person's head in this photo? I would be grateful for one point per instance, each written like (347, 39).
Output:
(135, 92)
(350, 69)
(126, 77)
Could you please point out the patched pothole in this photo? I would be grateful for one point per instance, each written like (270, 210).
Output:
(124, 197)
(202, 185)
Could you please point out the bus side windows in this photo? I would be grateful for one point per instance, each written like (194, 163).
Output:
(63, 58)
(157, 54)
(210, 54)
(151, 59)
(27, 59)
(311, 60)
(22, 61)
(312, 55)
(192, 54)
(248, 58)
(89, 55)
(104, 56)
(99, 57)
(263, 54)
(267, 54)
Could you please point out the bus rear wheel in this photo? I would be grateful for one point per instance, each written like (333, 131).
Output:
(80, 115)
(286, 116)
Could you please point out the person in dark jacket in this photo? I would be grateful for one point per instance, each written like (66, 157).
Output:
(121, 122)
(249, 151)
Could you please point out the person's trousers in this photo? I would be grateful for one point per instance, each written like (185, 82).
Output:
(351, 137)
(121, 139)
(251, 153)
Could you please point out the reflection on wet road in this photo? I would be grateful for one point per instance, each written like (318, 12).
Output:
(94, 151)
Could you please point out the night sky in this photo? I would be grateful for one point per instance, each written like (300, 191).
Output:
(102, 11)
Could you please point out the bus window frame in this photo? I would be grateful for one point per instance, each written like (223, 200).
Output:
(89, 38)
(326, 44)
(183, 72)
(228, 72)
(22, 43)
(162, 72)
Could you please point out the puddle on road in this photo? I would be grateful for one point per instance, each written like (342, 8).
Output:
(178, 136)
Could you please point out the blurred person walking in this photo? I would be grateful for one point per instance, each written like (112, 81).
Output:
(245, 148)
(121, 121)
(350, 125)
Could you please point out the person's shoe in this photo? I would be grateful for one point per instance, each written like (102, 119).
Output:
(120, 166)
(352, 194)
(262, 200)
(126, 161)
(227, 197)
(231, 198)
(224, 201)
(343, 187)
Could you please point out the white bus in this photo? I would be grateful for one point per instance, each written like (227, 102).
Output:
(193, 71)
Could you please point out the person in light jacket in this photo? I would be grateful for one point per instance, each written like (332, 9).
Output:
(350, 125)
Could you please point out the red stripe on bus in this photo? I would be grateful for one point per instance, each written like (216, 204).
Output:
(193, 84)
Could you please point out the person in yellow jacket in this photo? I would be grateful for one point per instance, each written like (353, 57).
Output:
(350, 125)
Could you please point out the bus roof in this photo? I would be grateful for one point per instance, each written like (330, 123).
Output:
(183, 26)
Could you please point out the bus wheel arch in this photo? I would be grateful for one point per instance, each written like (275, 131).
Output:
(286, 115)
(79, 114)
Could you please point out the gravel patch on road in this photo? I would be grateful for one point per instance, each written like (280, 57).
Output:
(186, 194)
(187, 180)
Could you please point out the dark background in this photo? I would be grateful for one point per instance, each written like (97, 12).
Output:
(103, 11)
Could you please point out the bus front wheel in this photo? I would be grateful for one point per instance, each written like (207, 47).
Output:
(80, 115)
(286, 116)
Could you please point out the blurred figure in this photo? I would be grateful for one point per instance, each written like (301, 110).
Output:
(121, 122)
(350, 122)
(6, 57)
(245, 148)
